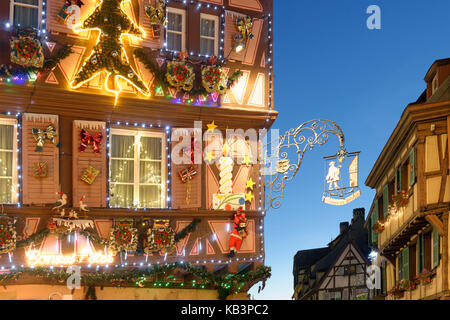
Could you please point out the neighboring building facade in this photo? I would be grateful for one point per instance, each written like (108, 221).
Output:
(105, 138)
(338, 271)
(408, 219)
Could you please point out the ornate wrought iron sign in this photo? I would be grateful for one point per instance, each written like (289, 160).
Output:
(286, 155)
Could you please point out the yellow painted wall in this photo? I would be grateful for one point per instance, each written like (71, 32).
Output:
(42, 292)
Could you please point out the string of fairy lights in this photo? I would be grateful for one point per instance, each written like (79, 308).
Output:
(166, 260)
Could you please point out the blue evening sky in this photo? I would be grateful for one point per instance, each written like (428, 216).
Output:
(329, 65)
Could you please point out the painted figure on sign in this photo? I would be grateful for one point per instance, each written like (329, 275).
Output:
(333, 176)
(239, 232)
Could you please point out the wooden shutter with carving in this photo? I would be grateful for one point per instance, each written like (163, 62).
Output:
(183, 195)
(40, 187)
(87, 162)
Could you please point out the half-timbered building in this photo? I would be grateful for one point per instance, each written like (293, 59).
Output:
(408, 219)
(338, 271)
(91, 95)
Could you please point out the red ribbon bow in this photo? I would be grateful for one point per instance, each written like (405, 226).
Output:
(86, 139)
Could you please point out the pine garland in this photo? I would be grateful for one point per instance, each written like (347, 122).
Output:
(161, 79)
(30, 72)
(161, 276)
(188, 229)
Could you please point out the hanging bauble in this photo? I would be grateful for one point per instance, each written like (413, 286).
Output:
(119, 27)
(94, 60)
(130, 74)
(114, 53)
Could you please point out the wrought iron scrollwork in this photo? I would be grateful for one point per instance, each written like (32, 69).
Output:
(301, 139)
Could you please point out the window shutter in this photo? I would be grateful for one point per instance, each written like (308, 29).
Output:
(405, 271)
(95, 192)
(412, 167)
(180, 189)
(144, 23)
(435, 248)
(400, 265)
(39, 190)
(374, 220)
(230, 31)
(398, 180)
(385, 201)
(421, 255)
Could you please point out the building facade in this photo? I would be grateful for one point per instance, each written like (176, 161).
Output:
(408, 219)
(96, 98)
(338, 271)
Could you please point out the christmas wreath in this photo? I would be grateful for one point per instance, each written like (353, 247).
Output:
(7, 238)
(160, 238)
(26, 51)
(123, 238)
(180, 75)
(214, 79)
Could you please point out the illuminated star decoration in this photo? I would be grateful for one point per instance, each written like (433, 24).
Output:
(211, 127)
(247, 160)
(250, 184)
(249, 196)
(209, 156)
(109, 54)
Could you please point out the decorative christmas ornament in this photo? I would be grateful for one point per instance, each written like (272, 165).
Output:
(40, 136)
(123, 238)
(214, 78)
(239, 232)
(87, 138)
(90, 174)
(7, 236)
(157, 18)
(244, 26)
(26, 50)
(108, 47)
(161, 237)
(226, 199)
(180, 75)
(61, 202)
(40, 169)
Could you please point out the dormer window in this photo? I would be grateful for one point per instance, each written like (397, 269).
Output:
(434, 84)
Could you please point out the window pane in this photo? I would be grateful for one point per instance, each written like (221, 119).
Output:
(174, 41)
(151, 148)
(6, 162)
(121, 196)
(174, 22)
(32, 2)
(122, 171)
(207, 28)
(25, 16)
(122, 147)
(207, 47)
(150, 196)
(6, 137)
(150, 172)
(5, 190)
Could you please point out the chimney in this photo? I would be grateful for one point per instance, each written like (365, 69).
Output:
(343, 226)
(359, 213)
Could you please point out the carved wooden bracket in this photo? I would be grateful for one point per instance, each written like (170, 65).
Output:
(437, 223)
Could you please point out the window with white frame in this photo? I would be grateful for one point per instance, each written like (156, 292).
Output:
(8, 161)
(25, 13)
(209, 35)
(138, 169)
(176, 29)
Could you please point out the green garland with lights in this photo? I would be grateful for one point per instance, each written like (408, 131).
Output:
(30, 73)
(39, 236)
(161, 78)
(157, 276)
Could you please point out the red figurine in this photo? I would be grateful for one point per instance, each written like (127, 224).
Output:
(239, 232)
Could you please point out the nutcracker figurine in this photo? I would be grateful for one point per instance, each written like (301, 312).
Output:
(239, 232)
